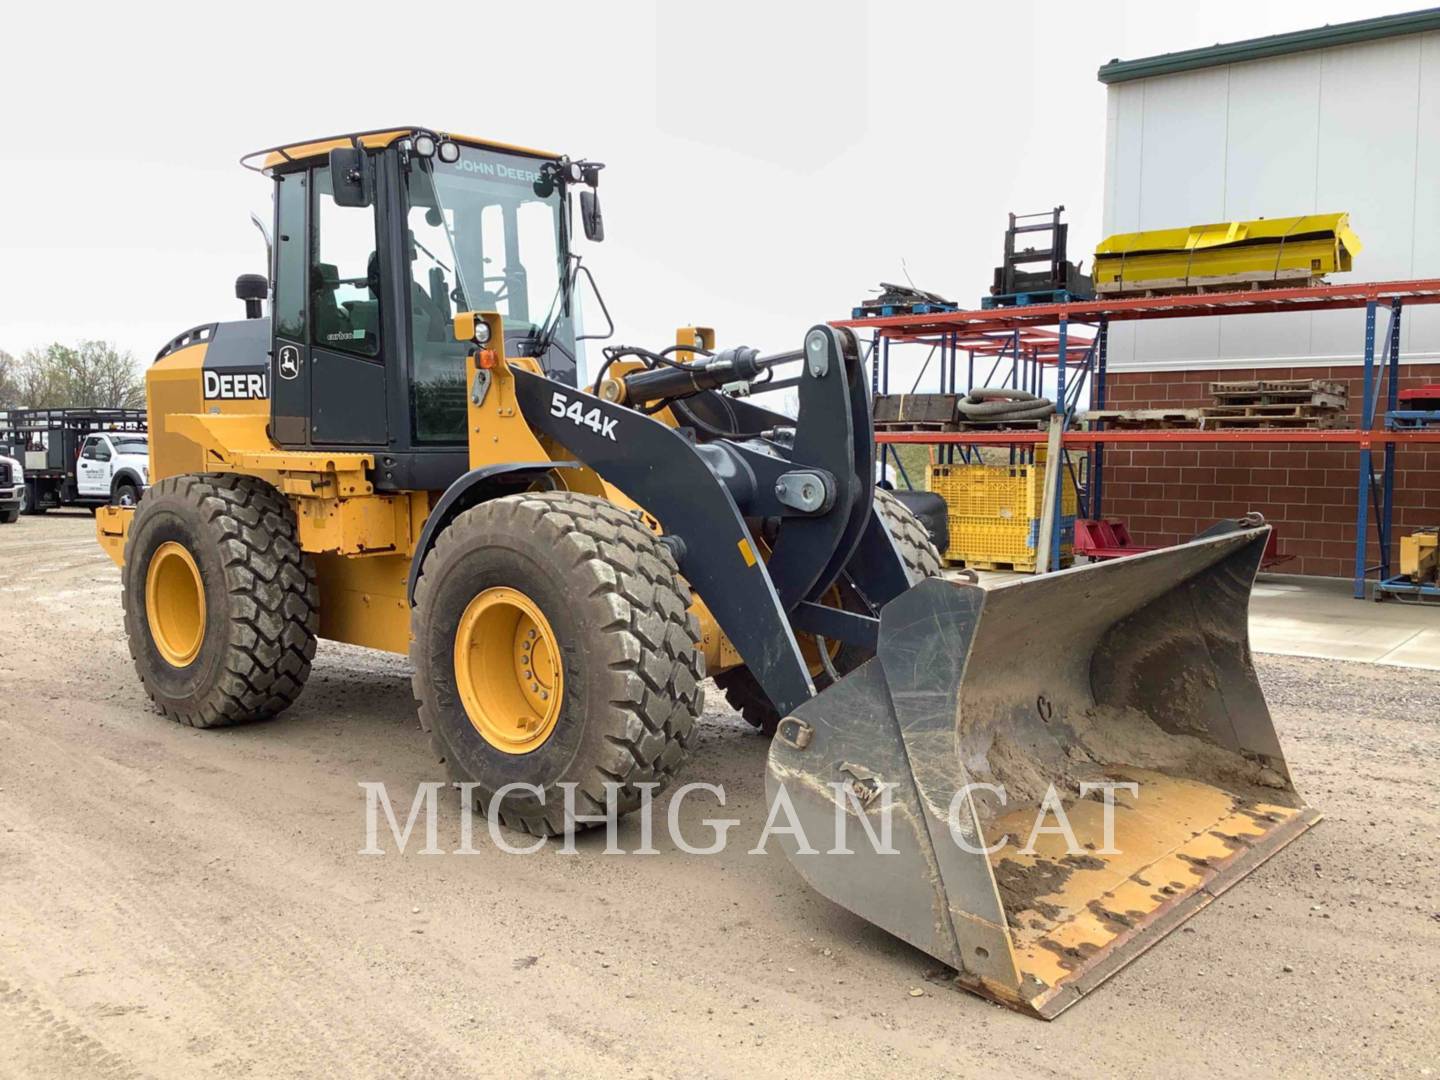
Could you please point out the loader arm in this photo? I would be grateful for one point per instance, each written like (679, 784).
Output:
(703, 490)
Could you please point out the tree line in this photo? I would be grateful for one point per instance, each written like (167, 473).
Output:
(92, 374)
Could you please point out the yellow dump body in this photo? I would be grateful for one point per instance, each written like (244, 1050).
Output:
(1268, 251)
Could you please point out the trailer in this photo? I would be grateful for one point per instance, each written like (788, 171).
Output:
(77, 456)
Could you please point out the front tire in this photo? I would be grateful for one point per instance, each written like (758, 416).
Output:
(221, 605)
(620, 655)
(125, 494)
(922, 560)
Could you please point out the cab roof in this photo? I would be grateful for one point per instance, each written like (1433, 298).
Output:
(275, 156)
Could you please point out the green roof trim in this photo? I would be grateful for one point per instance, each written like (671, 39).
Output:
(1321, 37)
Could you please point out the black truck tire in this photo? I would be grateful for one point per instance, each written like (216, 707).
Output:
(617, 646)
(126, 493)
(745, 695)
(220, 551)
(9, 515)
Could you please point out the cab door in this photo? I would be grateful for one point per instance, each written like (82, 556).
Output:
(290, 351)
(347, 368)
(92, 468)
(328, 372)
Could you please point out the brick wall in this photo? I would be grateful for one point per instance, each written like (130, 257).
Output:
(1166, 492)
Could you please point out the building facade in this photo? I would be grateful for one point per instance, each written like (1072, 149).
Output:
(1343, 118)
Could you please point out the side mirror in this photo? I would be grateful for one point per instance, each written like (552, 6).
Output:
(352, 177)
(590, 216)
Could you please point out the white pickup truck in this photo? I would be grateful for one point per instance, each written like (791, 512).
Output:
(12, 490)
(114, 467)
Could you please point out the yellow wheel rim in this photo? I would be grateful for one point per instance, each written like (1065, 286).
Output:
(508, 670)
(175, 604)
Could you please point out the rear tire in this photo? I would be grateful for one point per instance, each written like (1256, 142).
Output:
(629, 665)
(257, 601)
(745, 695)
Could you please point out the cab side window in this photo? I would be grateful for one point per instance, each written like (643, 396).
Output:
(344, 274)
(289, 272)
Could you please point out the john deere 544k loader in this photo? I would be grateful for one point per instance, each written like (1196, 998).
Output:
(403, 455)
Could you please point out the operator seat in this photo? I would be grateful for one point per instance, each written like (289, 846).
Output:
(332, 322)
(433, 324)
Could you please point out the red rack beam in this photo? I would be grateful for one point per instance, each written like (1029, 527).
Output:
(1361, 439)
(1250, 302)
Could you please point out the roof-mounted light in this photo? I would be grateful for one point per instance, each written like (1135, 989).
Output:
(448, 152)
(423, 144)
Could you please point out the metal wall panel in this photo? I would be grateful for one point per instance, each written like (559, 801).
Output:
(1270, 154)
(1355, 128)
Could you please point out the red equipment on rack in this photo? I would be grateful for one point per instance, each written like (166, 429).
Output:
(1110, 539)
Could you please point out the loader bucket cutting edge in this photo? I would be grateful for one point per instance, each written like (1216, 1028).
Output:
(1134, 671)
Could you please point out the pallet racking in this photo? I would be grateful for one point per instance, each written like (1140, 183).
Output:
(1036, 337)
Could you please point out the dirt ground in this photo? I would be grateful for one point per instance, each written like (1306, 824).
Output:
(183, 903)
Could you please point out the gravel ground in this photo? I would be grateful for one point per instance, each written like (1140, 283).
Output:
(183, 903)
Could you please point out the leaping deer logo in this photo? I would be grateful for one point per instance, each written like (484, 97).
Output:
(289, 362)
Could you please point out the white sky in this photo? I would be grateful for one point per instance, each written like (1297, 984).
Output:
(768, 163)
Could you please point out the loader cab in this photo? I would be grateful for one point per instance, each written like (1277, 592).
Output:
(373, 255)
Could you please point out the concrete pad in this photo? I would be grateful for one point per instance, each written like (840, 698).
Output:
(1421, 651)
(1317, 617)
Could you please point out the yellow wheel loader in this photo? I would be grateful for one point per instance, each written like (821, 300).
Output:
(408, 452)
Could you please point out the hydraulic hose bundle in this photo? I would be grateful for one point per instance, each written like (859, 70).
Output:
(999, 404)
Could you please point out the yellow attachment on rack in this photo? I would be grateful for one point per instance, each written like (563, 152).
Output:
(1267, 251)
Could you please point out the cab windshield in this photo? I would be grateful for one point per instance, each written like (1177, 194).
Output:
(480, 239)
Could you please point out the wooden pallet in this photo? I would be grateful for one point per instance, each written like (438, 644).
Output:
(1161, 419)
(913, 425)
(915, 408)
(1003, 425)
(1017, 567)
(1232, 283)
(1321, 393)
(1322, 386)
(1218, 416)
(1278, 411)
(1284, 397)
(1334, 420)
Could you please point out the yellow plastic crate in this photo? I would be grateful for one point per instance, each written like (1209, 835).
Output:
(997, 494)
(994, 513)
(1005, 547)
